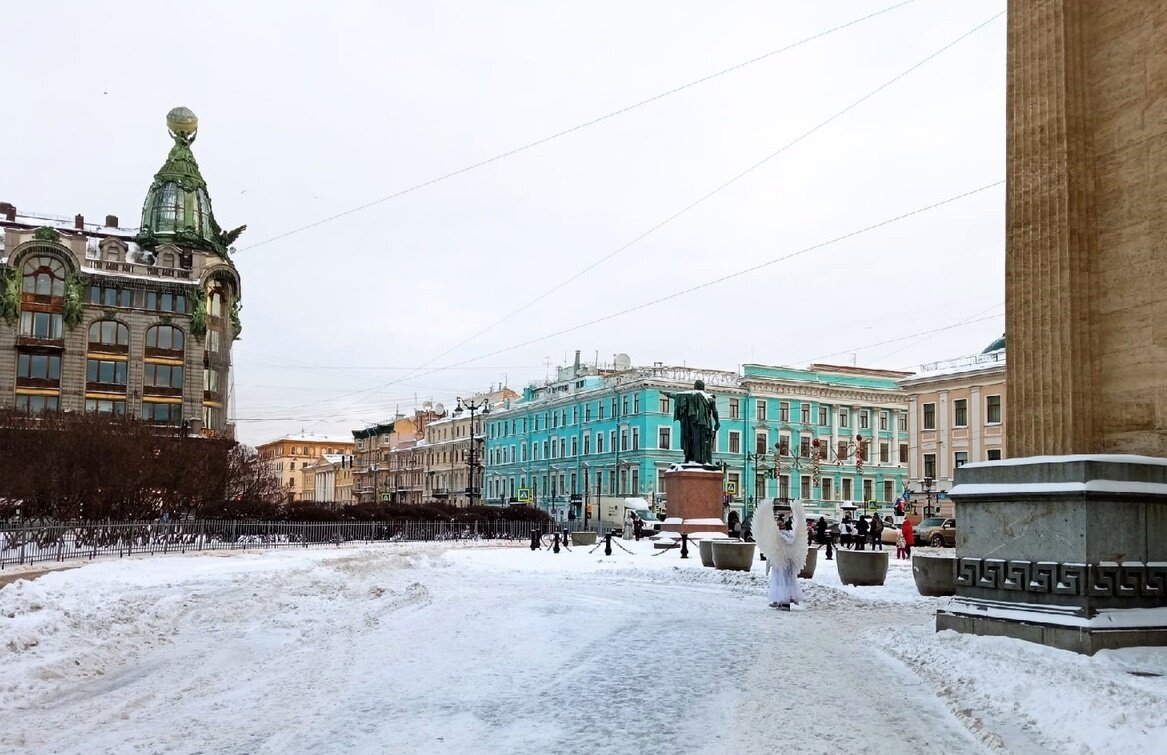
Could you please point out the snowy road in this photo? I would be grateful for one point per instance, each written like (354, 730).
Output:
(432, 649)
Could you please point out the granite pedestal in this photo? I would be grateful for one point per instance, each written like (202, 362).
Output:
(1068, 551)
(694, 499)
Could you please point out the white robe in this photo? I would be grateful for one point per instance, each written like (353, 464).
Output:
(785, 551)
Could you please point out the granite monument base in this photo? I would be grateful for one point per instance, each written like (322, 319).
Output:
(1067, 551)
(694, 500)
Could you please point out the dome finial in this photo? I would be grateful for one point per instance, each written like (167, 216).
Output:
(182, 123)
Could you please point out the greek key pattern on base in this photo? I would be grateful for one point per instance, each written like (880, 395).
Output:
(1130, 579)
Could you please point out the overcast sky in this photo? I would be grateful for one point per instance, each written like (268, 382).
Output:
(311, 110)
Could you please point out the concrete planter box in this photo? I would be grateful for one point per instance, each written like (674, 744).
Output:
(732, 555)
(812, 559)
(706, 548)
(935, 575)
(862, 567)
(583, 538)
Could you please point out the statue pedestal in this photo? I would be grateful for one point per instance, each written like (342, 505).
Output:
(1067, 551)
(694, 505)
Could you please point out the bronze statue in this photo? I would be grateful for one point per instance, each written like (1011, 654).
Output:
(696, 410)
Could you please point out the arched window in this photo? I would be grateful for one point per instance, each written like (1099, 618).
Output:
(165, 338)
(166, 259)
(44, 276)
(108, 333)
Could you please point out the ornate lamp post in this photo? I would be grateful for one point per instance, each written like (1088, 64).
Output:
(481, 407)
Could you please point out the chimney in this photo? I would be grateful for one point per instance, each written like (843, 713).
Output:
(577, 361)
(111, 221)
(8, 210)
(79, 222)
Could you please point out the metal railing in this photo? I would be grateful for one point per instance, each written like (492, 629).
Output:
(31, 544)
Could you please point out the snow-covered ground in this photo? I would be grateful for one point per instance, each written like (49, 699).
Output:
(436, 648)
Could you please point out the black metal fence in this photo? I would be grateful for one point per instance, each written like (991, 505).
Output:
(30, 544)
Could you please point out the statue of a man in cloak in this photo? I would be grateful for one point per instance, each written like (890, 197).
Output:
(696, 410)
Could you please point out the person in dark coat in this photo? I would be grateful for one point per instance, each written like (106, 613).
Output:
(820, 530)
(876, 533)
(862, 527)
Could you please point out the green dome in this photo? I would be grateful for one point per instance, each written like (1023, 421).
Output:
(178, 208)
(995, 345)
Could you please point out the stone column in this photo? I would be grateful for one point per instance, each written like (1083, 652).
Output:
(1085, 274)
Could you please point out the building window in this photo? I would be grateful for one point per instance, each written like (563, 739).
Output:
(903, 453)
(804, 487)
(804, 446)
(165, 338)
(883, 420)
(993, 410)
(846, 488)
(665, 438)
(760, 443)
(864, 420)
(826, 489)
(868, 490)
(624, 406)
(105, 371)
(960, 412)
(107, 333)
(45, 367)
(884, 453)
(664, 404)
(994, 454)
(623, 440)
(587, 446)
(888, 490)
(163, 375)
(824, 416)
(783, 445)
(37, 404)
(111, 296)
(761, 409)
(903, 423)
(930, 466)
(784, 486)
(574, 445)
(162, 414)
(735, 442)
(44, 277)
(784, 411)
(804, 413)
(105, 406)
(929, 416)
(844, 418)
(636, 403)
(734, 408)
(844, 450)
(959, 459)
(44, 325)
(636, 439)
(599, 410)
(599, 443)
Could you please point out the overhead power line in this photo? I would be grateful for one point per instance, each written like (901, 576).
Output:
(709, 195)
(578, 127)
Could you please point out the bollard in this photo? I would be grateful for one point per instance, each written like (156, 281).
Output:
(829, 551)
(555, 542)
(565, 540)
(684, 545)
(608, 544)
(534, 540)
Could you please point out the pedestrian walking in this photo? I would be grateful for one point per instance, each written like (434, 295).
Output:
(909, 533)
(861, 529)
(876, 532)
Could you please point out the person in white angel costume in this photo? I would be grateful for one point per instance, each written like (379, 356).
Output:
(785, 551)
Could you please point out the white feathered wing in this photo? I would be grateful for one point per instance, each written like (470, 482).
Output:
(781, 545)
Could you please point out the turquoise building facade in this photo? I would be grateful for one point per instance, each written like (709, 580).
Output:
(829, 435)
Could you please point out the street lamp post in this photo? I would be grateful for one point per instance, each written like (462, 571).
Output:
(482, 407)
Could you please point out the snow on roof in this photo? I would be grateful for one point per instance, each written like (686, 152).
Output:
(976, 362)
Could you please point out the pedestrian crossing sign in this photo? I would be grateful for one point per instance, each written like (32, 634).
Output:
(524, 495)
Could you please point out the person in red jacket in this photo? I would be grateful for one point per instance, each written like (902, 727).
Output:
(909, 534)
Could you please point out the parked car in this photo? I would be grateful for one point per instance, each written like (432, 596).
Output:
(936, 532)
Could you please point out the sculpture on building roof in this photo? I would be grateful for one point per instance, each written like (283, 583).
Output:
(177, 207)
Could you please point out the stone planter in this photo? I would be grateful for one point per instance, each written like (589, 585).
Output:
(862, 567)
(706, 548)
(583, 538)
(935, 575)
(812, 558)
(732, 555)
